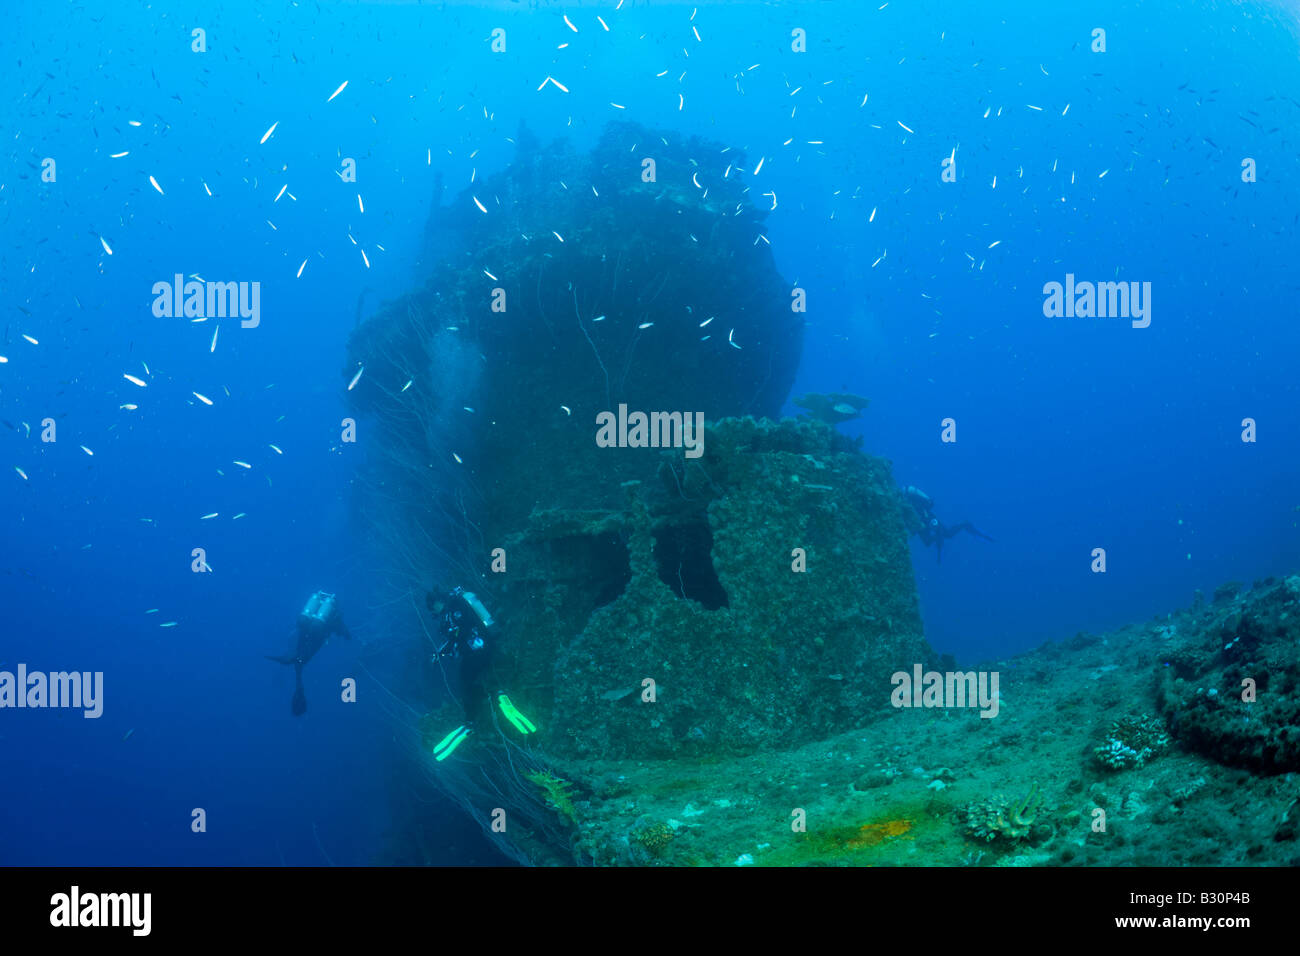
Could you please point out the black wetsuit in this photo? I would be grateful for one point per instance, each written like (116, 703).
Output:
(931, 530)
(464, 636)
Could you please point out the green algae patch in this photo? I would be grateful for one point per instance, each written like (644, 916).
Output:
(556, 792)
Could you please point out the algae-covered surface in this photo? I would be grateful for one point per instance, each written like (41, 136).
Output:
(903, 790)
(690, 586)
(1091, 760)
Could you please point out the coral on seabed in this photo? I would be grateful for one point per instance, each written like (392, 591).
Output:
(1227, 681)
(1131, 742)
(998, 818)
(654, 838)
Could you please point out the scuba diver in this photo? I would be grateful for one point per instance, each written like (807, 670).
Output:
(930, 528)
(320, 618)
(467, 633)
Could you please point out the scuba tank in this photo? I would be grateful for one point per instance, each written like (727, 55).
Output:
(326, 606)
(319, 607)
(477, 607)
(312, 606)
(457, 626)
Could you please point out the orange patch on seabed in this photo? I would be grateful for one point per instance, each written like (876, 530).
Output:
(873, 834)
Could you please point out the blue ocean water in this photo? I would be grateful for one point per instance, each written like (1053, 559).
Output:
(925, 296)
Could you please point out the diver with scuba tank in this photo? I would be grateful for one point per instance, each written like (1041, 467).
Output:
(467, 634)
(319, 618)
(921, 521)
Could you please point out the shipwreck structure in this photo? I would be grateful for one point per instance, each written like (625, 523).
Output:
(652, 604)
